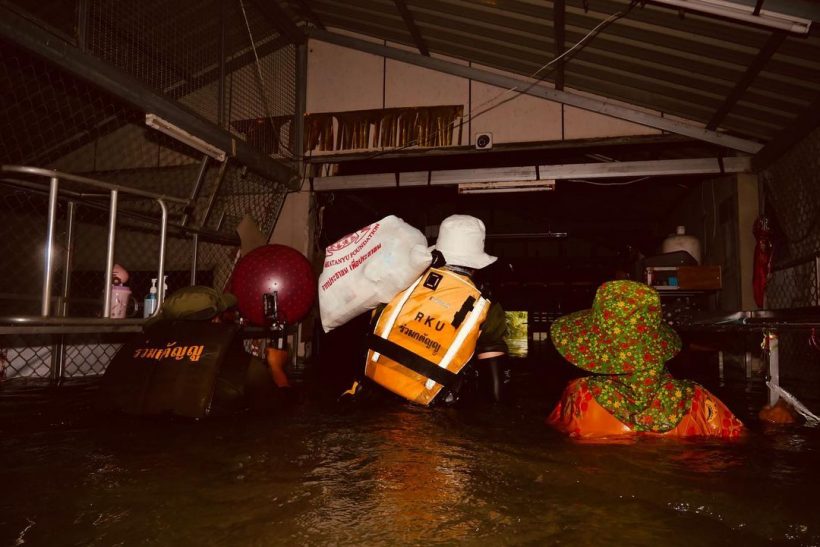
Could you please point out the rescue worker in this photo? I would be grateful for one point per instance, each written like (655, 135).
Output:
(245, 380)
(625, 343)
(422, 342)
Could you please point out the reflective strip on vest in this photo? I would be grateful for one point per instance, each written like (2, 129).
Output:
(392, 321)
(464, 329)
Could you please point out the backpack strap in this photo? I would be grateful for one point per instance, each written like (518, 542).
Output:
(408, 359)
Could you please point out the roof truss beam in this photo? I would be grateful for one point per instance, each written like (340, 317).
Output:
(766, 53)
(310, 14)
(132, 91)
(804, 124)
(235, 63)
(530, 174)
(410, 23)
(280, 20)
(579, 101)
(558, 23)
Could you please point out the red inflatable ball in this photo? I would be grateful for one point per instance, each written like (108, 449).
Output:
(274, 268)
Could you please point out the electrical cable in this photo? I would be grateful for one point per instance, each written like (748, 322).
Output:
(714, 209)
(580, 44)
(260, 84)
(625, 183)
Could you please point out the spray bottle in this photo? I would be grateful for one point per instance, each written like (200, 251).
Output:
(150, 303)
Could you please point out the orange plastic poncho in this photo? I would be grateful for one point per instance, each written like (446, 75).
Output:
(580, 415)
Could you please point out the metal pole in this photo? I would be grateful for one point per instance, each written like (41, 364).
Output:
(774, 366)
(109, 259)
(45, 308)
(220, 98)
(219, 178)
(161, 270)
(87, 181)
(194, 257)
(82, 25)
(69, 256)
(200, 176)
(817, 280)
(58, 350)
(269, 235)
(85, 200)
(720, 366)
(301, 107)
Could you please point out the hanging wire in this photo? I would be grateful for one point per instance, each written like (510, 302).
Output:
(260, 82)
(625, 183)
(583, 42)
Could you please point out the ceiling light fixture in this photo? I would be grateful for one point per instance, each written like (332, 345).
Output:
(506, 186)
(164, 126)
(744, 14)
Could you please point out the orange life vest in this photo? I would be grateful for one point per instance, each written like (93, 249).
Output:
(426, 335)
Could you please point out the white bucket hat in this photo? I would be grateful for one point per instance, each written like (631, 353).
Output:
(461, 241)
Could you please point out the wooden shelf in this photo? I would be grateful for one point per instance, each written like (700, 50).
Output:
(683, 278)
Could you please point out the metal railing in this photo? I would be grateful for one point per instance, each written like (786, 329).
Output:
(75, 339)
(114, 190)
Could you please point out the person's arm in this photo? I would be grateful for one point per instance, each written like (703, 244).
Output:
(276, 360)
(491, 351)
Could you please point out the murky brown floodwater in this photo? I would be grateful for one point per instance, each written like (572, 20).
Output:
(393, 475)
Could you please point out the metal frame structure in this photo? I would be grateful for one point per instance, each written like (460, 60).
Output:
(48, 324)
(89, 68)
(701, 166)
(529, 88)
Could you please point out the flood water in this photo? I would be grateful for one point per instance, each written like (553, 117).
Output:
(391, 475)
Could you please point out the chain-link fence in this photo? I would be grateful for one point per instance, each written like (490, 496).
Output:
(792, 191)
(793, 196)
(28, 356)
(222, 60)
(795, 286)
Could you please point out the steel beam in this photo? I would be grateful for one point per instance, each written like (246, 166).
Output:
(301, 105)
(310, 14)
(558, 23)
(410, 23)
(766, 53)
(698, 166)
(280, 20)
(803, 124)
(127, 88)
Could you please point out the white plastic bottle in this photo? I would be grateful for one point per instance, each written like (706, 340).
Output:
(150, 302)
(680, 241)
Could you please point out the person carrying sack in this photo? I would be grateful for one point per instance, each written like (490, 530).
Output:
(625, 343)
(423, 339)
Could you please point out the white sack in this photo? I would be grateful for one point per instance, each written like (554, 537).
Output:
(369, 267)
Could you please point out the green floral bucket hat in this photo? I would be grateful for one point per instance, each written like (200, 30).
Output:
(623, 333)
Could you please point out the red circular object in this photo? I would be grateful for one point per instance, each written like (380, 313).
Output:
(274, 268)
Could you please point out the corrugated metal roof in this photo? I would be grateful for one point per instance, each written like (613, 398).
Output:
(742, 80)
(747, 80)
